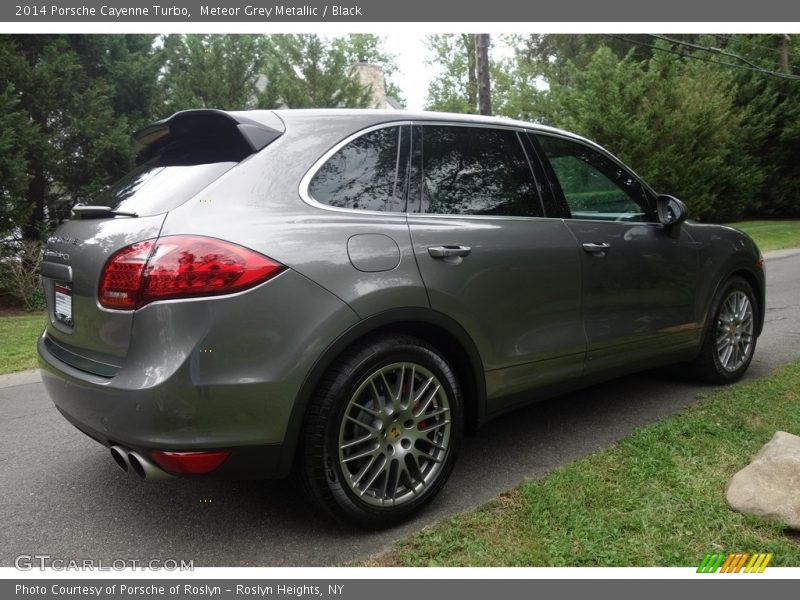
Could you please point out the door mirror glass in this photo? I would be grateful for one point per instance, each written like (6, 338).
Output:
(671, 211)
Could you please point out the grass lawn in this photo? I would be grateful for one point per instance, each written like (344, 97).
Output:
(18, 341)
(653, 499)
(772, 235)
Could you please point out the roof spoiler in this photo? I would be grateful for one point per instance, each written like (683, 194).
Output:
(206, 122)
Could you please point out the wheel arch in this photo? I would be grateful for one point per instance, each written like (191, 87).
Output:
(756, 282)
(436, 328)
(758, 287)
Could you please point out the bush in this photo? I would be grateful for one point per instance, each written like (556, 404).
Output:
(20, 275)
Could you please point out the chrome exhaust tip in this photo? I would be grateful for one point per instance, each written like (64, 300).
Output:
(120, 457)
(144, 468)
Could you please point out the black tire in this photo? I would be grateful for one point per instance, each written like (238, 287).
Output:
(346, 407)
(710, 364)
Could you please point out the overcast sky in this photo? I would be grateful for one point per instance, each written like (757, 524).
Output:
(414, 75)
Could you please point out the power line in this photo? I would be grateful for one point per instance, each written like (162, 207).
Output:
(708, 60)
(752, 44)
(705, 48)
(713, 50)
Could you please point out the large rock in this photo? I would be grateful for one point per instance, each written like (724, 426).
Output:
(769, 486)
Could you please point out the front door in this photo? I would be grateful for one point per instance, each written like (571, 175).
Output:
(638, 281)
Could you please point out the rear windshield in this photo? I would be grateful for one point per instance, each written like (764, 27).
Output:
(168, 179)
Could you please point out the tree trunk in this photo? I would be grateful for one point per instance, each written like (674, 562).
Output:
(783, 52)
(482, 62)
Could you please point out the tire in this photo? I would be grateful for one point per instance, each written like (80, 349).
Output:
(382, 432)
(730, 338)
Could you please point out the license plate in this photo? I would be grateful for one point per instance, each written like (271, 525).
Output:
(63, 309)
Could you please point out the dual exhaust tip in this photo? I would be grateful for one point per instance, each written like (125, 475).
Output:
(130, 460)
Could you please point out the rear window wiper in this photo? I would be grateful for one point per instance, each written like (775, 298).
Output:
(90, 212)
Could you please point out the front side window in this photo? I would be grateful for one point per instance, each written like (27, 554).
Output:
(475, 171)
(369, 173)
(594, 186)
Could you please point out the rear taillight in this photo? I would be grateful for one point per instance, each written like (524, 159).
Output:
(180, 266)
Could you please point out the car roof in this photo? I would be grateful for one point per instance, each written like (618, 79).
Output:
(377, 116)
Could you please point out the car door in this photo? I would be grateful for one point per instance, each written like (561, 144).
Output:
(639, 282)
(491, 260)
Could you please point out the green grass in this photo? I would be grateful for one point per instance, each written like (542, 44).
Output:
(654, 499)
(18, 341)
(772, 235)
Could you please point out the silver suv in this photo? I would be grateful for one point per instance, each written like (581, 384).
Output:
(345, 293)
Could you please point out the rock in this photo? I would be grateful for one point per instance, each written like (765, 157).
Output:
(769, 486)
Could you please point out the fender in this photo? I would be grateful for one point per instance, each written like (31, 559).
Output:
(401, 320)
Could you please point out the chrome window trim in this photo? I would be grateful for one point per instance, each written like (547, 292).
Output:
(305, 182)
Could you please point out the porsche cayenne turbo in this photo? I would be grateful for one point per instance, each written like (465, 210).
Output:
(343, 294)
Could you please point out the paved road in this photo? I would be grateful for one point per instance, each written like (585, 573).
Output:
(62, 495)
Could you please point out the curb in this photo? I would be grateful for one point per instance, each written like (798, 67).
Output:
(20, 378)
(778, 254)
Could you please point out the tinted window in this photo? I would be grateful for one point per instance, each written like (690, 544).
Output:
(369, 173)
(476, 171)
(167, 180)
(594, 186)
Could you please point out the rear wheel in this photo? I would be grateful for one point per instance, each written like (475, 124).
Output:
(382, 432)
(730, 339)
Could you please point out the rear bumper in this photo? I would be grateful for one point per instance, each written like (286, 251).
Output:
(220, 373)
(138, 422)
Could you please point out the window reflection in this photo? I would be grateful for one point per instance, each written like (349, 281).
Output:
(476, 171)
(363, 174)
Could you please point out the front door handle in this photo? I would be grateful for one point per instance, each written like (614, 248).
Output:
(446, 251)
(597, 249)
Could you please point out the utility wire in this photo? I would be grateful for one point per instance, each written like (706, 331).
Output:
(751, 44)
(705, 48)
(708, 60)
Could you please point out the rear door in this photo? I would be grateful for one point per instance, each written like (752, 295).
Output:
(638, 282)
(491, 259)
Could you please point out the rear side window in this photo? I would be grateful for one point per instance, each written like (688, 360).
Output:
(476, 171)
(369, 173)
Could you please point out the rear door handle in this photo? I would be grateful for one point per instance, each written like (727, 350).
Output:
(445, 251)
(596, 248)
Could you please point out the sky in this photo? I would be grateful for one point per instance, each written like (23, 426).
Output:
(414, 76)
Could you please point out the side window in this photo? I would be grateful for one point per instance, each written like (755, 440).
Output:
(594, 186)
(475, 171)
(369, 173)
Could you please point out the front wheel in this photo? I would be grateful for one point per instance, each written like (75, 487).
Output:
(382, 432)
(730, 338)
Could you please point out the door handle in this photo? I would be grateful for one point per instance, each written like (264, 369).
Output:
(598, 249)
(445, 251)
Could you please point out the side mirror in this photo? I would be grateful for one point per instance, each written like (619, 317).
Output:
(671, 212)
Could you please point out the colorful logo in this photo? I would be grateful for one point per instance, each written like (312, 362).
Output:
(734, 562)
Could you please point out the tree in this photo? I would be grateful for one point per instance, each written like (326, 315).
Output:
(674, 120)
(455, 87)
(368, 48)
(214, 71)
(77, 117)
(15, 134)
(307, 71)
(482, 69)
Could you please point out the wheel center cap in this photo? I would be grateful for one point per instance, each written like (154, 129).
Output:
(394, 432)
